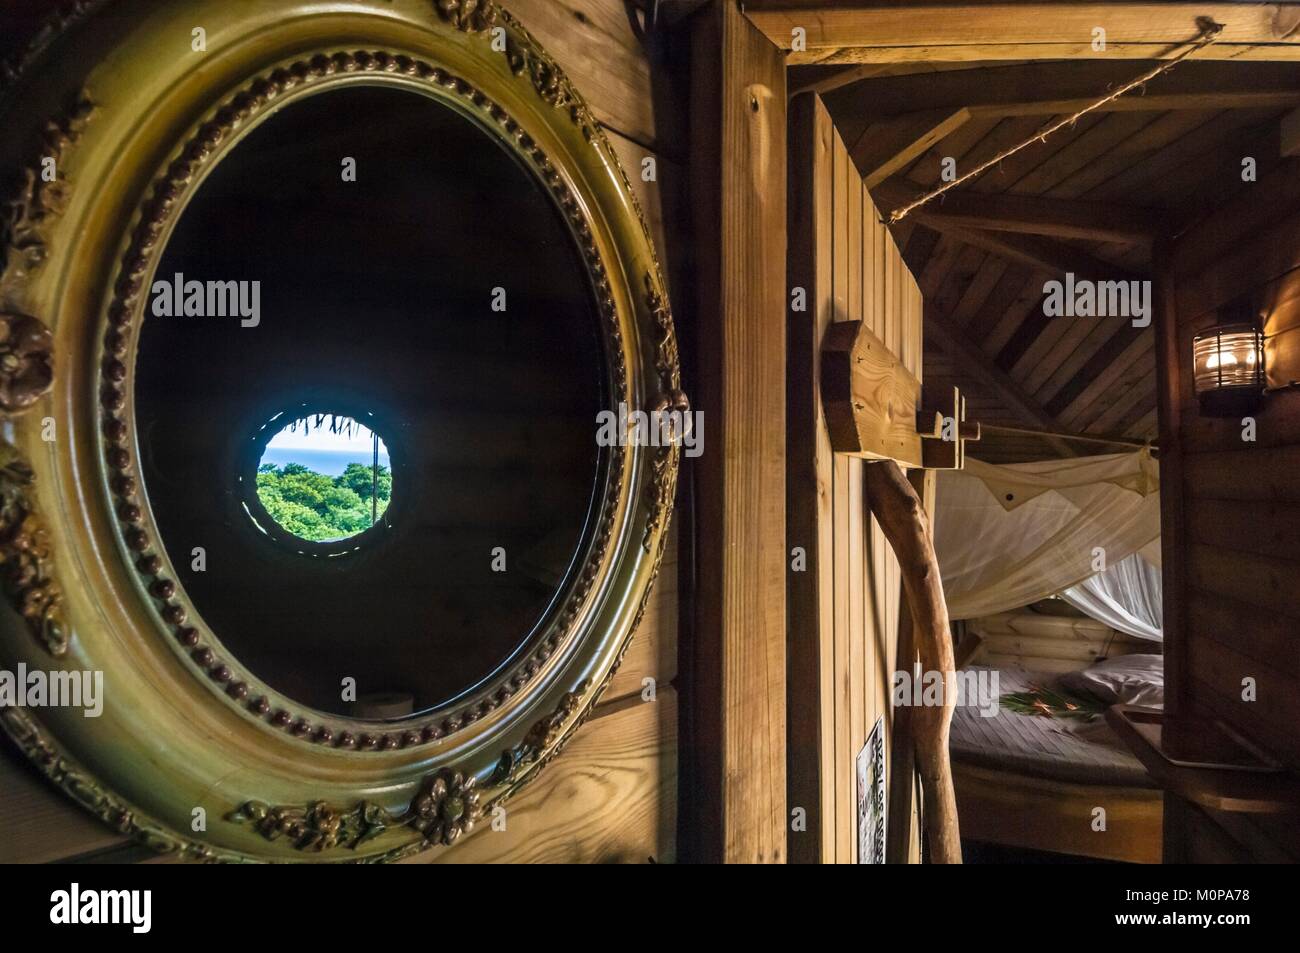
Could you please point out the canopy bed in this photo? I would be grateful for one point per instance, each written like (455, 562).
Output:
(1046, 772)
(1035, 775)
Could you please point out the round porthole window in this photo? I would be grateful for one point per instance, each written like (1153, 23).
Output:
(324, 479)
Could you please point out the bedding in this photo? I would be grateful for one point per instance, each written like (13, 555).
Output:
(1123, 680)
(1074, 749)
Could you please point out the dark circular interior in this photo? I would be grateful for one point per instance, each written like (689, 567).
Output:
(376, 297)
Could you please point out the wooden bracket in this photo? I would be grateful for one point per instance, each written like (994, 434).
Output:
(873, 405)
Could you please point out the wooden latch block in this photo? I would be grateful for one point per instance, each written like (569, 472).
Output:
(945, 450)
(873, 405)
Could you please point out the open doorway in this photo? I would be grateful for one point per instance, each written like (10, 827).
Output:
(1042, 207)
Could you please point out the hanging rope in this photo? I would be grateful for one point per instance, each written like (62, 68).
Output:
(1210, 32)
(1107, 441)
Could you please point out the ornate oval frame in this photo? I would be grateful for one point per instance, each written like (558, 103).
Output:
(132, 117)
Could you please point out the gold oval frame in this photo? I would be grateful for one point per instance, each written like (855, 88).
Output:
(139, 116)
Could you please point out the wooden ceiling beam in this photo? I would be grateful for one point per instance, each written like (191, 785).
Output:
(930, 126)
(1052, 256)
(1136, 102)
(1028, 91)
(993, 52)
(972, 364)
(841, 77)
(1028, 214)
(1045, 87)
(827, 79)
(891, 146)
(883, 31)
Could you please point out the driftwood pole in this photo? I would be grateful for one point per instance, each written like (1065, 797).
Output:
(906, 525)
(902, 755)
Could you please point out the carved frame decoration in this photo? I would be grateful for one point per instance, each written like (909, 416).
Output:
(79, 554)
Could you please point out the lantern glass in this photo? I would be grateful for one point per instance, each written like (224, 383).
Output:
(1228, 358)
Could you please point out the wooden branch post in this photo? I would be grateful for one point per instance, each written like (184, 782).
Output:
(902, 755)
(906, 525)
(875, 410)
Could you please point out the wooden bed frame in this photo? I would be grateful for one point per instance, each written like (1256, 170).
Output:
(1016, 810)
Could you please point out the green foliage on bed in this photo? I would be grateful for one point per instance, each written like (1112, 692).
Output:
(1046, 703)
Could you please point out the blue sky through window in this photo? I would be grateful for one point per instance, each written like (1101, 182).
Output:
(322, 450)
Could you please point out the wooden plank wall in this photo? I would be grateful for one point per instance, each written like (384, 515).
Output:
(612, 795)
(843, 610)
(1232, 524)
(738, 153)
(1047, 643)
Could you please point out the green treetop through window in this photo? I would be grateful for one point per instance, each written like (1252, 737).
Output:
(325, 485)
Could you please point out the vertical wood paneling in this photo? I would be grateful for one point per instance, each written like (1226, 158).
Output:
(738, 182)
(842, 254)
(872, 252)
(1229, 604)
(809, 488)
(842, 767)
(1236, 255)
(860, 702)
(852, 199)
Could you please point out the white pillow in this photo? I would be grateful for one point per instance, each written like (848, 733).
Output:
(1123, 680)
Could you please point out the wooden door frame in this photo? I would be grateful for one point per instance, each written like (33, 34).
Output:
(733, 797)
